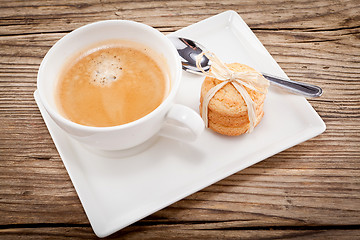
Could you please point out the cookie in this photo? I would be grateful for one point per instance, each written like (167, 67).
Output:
(233, 130)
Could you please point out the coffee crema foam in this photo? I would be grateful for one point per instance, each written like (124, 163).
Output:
(111, 84)
(105, 69)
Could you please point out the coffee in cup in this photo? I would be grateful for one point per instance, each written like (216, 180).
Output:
(112, 83)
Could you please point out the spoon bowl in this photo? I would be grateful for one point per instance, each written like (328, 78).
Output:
(188, 51)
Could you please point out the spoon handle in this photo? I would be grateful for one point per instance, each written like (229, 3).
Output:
(293, 86)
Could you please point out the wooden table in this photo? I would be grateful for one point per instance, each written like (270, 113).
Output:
(310, 191)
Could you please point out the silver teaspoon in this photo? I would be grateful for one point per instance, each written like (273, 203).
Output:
(188, 50)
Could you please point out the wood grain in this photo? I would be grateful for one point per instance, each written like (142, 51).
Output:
(310, 191)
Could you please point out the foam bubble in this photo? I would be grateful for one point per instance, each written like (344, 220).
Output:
(106, 68)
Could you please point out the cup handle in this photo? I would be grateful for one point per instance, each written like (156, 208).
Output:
(182, 123)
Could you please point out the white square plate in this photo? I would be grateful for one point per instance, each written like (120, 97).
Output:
(117, 191)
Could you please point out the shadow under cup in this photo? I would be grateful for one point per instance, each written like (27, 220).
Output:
(117, 137)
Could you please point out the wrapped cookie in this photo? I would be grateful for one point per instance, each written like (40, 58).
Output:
(232, 97)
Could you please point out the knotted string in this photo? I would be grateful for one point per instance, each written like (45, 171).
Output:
(239, 80)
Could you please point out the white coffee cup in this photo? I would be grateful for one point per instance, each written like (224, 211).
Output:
(168, 119)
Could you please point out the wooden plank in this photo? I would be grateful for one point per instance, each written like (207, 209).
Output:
(185, 231)
(33, 17)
